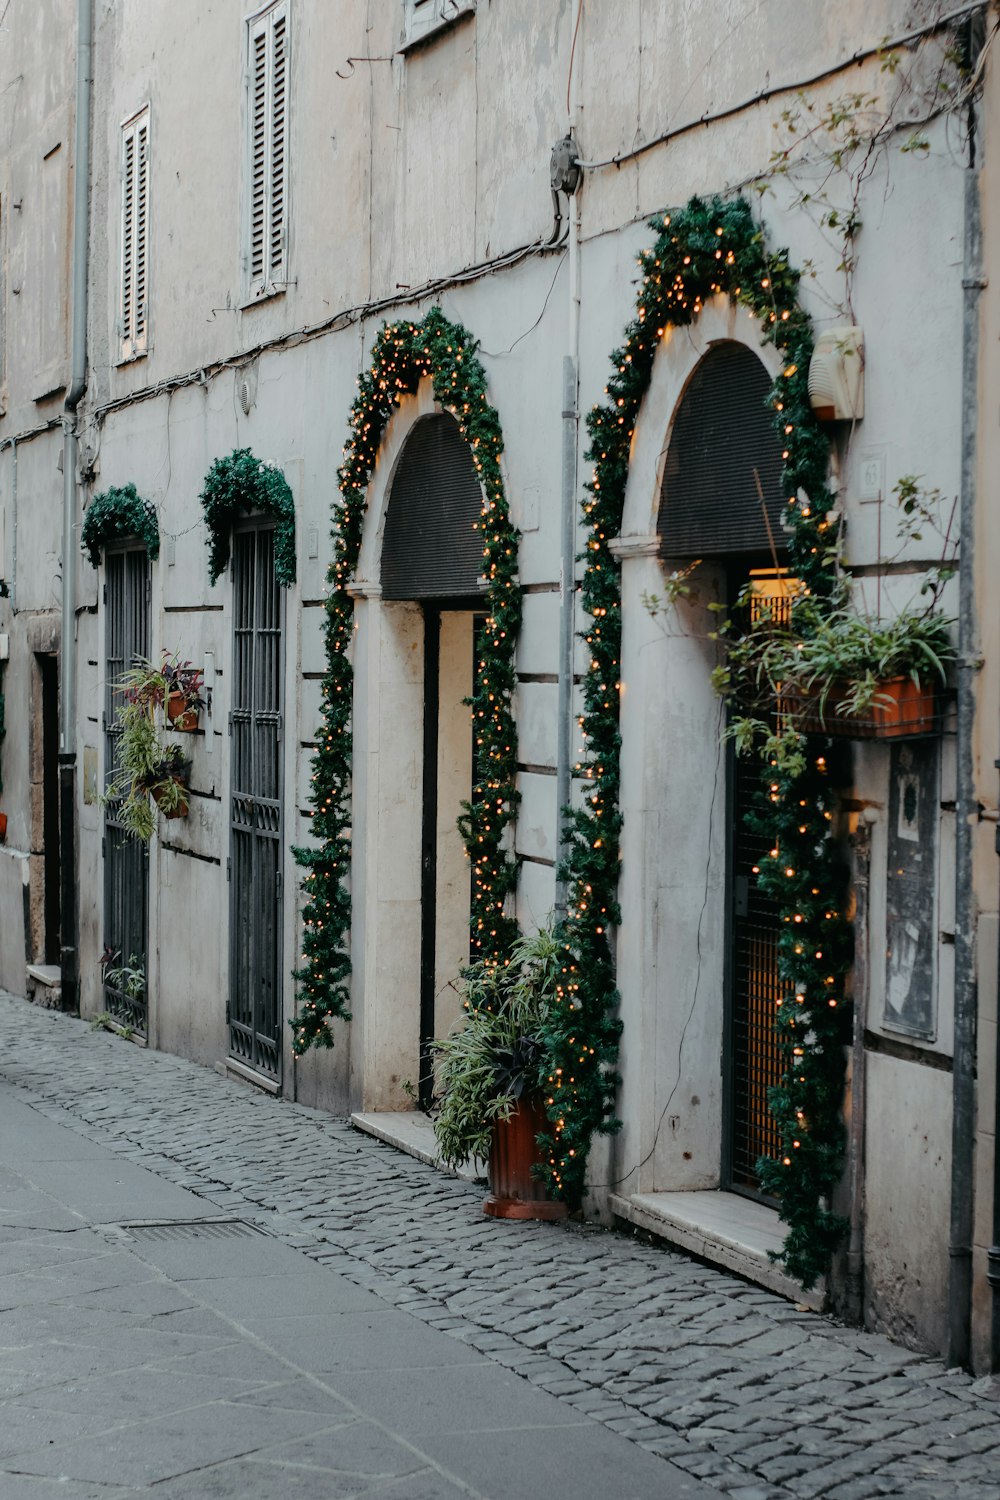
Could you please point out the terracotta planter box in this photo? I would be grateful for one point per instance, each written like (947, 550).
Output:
(901, 709)
(182, 718)
(156, 793)
(515, 1193)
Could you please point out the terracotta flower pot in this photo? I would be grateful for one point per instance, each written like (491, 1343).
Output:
(182, 717)
(515, 1193)
(901, 709)
(3, 828)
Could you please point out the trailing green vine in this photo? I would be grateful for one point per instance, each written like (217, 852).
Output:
(115, 513)
(236, 486)
(706, 249)
(405, 353)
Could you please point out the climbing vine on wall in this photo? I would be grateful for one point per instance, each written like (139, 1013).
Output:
(404, 353)
(709, 248)
(237, 486)
(115, 513)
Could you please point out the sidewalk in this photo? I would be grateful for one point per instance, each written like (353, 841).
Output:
(381, 1327)
(206, 1358)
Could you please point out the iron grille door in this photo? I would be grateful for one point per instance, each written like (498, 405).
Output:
(255, 989)
(126, 859)
(755, 1061)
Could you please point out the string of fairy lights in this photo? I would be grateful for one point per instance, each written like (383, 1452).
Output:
(405, 353)
(708, 248)
(237, 485)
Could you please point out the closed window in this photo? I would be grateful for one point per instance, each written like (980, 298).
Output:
(134, 304)
(422, 17)
(267, 120)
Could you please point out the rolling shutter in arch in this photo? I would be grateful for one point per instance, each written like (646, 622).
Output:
(431, 547)
(723, 430)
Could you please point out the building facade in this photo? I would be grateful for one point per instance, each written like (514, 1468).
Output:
(267, 189)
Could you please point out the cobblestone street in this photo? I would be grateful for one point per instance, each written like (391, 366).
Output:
(729, 1382)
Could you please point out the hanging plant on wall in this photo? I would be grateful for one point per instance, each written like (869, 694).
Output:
(238, 486)
(404, 353)
(706, 249)
(117, 513)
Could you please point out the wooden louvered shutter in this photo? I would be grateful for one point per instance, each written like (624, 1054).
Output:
(268, 163)
(723, 431)
(135, 236)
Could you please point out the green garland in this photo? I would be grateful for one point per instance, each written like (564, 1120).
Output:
(234, 487)
(119, 512)
(404, 353)
(702, 250)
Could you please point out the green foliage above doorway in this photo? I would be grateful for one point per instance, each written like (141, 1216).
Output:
(235, 487)
(119, 512)
(405, 353)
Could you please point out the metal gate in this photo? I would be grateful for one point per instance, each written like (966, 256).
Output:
(754, 1058)
(255, 989)
(126, 859)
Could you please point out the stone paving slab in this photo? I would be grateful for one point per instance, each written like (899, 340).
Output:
(735, 1386)
(203, 1357)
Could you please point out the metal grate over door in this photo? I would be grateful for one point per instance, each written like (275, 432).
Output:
(755, 1057)
(756, 989)
(126, 859)
(255, 989)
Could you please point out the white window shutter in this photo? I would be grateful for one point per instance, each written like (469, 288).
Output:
(141, 233)
(268, 154)
(134, 301)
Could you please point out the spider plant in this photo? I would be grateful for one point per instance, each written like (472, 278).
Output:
(496, 1054)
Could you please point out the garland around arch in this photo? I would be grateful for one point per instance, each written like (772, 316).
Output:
(404, 353)
(237, 485)
(706, 249)
(119, 512)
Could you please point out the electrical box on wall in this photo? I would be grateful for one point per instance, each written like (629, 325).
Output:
(837, 375)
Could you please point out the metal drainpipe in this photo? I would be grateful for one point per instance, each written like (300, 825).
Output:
(69, 915)
(567, 572)
(964, 1066)
(993, 1253)
(856, 1244)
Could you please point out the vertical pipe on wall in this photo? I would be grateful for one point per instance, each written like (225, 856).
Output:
(567, 571)
(69, 958)
(963, 1076)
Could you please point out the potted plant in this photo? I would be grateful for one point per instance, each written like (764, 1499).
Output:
(835, 671)
(797, 665)
(491, 1074)
(184, 700)
(148, 773)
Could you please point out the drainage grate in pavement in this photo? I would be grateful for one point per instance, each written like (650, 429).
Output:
(192, 1229)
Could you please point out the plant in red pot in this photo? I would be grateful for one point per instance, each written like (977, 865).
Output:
(184, 684)
(490, 1075)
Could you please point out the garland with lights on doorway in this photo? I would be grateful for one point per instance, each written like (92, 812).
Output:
(405, 353)
(117, 513)
(235, 486)
(708, 248)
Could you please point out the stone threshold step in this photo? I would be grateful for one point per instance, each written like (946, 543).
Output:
(43, 985)
(411, 1131)
(723, 1228)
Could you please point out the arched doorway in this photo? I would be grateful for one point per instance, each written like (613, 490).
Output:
(432, 557)
(721, 500)
(418, 599)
